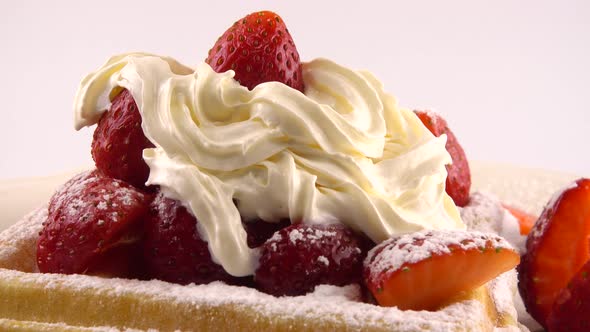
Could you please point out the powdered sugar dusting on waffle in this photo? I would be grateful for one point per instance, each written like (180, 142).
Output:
(399, 251)
(502, 290)
(9, 324)
(485, 213)
(327, 303)
(20, 241)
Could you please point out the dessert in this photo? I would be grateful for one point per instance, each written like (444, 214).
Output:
(190, 164)
(31, 301)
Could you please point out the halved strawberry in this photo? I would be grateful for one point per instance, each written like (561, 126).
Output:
(525, 220)
(571, 310)
(89, 219)
(557, 248)
(424, 270)
(459, 175)
(258, 48)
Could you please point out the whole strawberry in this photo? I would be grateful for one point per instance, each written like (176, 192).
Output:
(91, 220)
(259, 49)
(299, 257)
(118, 142)
(459, 176)
(259, 231)
(173, 249)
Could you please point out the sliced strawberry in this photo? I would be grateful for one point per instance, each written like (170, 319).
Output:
(459, 175)
(258, 48)
(571, 310)
(173, 249)
(424, 270)
(525, 220)
(118, 142)
(90, 217)
(557, 248)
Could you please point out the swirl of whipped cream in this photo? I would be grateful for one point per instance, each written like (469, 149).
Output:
(342, 152)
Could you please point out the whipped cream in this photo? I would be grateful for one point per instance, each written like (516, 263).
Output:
(342, 152)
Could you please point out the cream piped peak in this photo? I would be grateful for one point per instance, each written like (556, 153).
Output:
(342, 152)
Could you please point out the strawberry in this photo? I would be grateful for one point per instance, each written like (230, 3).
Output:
(173, 249)
(557, 248)
(571, 310)
(525, 220)
(91, 218)
(118, 142)
(299, 257)
(459, 175)
(259, 231)
(425, 270)
(258, 48)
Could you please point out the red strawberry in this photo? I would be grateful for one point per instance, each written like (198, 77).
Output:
(118, 142)
(557, 248)
(173, 249)
(259, 230)
(571, 310)
(299, 257)
(424, 270)
(258, 48)
(525, 220)
(89, 218)
(459, 175)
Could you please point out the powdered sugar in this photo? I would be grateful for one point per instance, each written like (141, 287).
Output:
(324, 260)
(295, 235)
(484, 213)
(327, 305)
(309, 234)
(502, 289)
(18, 244)
(73, 197)
(9, 325)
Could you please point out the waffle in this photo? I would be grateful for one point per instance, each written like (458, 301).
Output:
(31, 301)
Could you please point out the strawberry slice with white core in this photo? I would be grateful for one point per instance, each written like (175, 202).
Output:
(424, 270)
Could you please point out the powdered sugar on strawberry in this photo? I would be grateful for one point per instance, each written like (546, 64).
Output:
(309, 234)
(88, 219)
(72, 191)
(415, 247)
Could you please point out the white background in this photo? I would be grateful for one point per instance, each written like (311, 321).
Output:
(511, 77)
